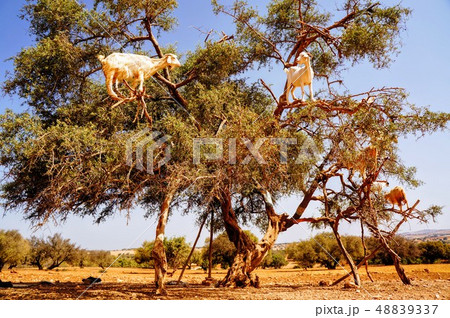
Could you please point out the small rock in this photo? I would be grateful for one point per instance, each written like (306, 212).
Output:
(175, 283)
(324, 283)
(47, 283)
(426, 270)
(209, 282)
(6, 284)
(437, 296)
(92, 280)
(349, 285)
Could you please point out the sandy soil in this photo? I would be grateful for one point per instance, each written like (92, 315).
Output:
(429, 282)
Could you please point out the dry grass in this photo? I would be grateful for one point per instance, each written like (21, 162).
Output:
(429, 282)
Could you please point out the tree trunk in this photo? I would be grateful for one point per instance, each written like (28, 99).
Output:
(192, 250)
(54, 265)
(347, 256)
(398, 267)
(38, 264)
(249, 255)
(158, 252)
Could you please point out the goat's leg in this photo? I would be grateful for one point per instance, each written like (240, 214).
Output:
(117, 89)
(303, 92)
(288, 89)
(292, 93)
(311, 93)
(109, 86)
(145, 112)
(141, 81)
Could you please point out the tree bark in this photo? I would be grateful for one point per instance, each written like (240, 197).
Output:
(158, 252)
(348, 257)
(398, 267)
(361, 263)
(249, 255)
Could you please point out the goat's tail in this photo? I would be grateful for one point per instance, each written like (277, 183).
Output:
(101, 58)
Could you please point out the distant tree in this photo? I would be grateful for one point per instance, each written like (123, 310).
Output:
(196, 258)
(60, 250)
(275, 259)
(81, 258)
(324, 250)
(176, 249)
(267, 260)
(128, 261)
(408, 250)
(433, 251)
(39, 252)
(278, 259)
(223, 250)
(327, 250)
(101, 258)
(52, 252)
(143, 254)
(354, 247)
(13, 248)
(303, 253)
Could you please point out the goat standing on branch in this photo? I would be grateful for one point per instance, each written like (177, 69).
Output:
(397, 196)
(300, 76)
(121, 67)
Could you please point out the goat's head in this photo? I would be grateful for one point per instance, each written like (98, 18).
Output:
(303, 58)
(172, 60)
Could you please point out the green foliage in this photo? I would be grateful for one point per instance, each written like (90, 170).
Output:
(196, 258)
(128, 261)
(223, 250)
(177, 251)
(433, 251)
(411, 252)
(143, 254)
(102, 259)
(275, 259)
(303, 253)
(66, 156)
(374, 35)
(13, 248)
(52, 252)
(323, 249)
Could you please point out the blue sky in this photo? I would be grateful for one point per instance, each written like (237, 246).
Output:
(422, 68)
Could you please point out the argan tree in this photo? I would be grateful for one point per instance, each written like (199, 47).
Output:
(14, 248)
(71, 153)
(52, 252)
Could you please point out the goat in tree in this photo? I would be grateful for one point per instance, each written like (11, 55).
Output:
(299, 76)
(397, 196)
(121, 67)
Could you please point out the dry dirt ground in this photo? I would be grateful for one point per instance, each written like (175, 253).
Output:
(429, 282)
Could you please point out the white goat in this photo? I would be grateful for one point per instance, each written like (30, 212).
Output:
(135, 68)
(300, 76)
(378, 186)
(397, 196)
